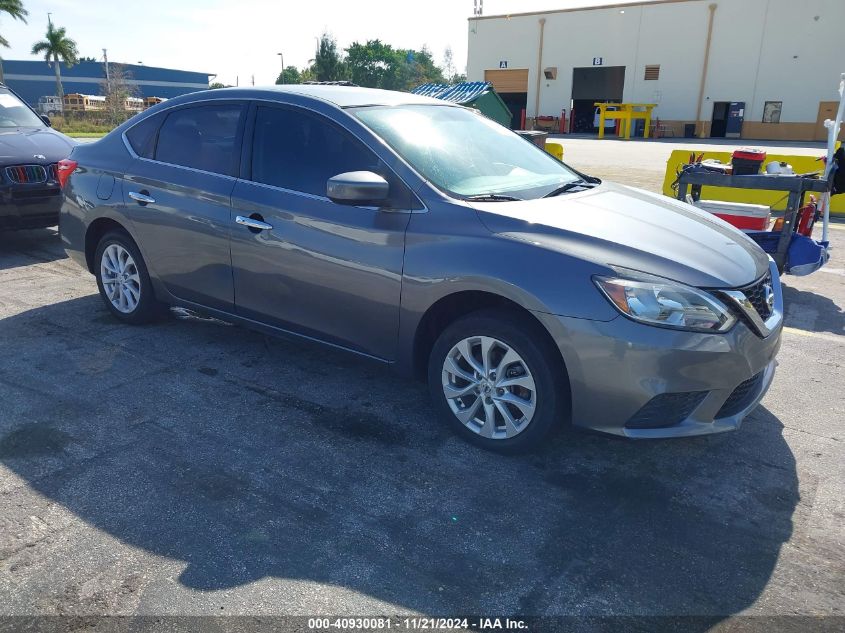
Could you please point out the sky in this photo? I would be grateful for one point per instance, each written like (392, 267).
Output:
(239, 40)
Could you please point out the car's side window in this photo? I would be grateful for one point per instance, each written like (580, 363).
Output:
(299, 151)
(202, 137)
(142, 136)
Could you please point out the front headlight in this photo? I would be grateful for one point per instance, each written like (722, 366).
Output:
(659, 301)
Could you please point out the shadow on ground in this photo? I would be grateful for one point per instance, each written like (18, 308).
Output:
(23, 248)
(249, 458)
(813, 312)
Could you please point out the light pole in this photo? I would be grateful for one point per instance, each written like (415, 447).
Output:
(282, 56)
(106, 62)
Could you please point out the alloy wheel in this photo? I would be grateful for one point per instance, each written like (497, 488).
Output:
(121, 282)
(489, 387)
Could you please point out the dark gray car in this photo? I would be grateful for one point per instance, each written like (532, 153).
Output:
(423, 235)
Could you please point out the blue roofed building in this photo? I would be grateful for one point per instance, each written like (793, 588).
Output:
(33, 79)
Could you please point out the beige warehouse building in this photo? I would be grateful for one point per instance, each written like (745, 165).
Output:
(755, 69)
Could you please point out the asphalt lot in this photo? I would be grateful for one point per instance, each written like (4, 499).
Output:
(195, 468)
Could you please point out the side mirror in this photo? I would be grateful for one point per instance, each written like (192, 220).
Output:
(358, 188)
(46, 120)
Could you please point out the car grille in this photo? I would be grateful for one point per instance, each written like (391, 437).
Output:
(757, 296)
(666, 409)
(741, 397)
(31, 174)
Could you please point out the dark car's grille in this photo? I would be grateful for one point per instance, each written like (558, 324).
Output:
(30, 174)
(666, 409)
(741, 397)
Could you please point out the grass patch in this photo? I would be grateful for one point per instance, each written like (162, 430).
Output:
(85, 134)
(80, 128)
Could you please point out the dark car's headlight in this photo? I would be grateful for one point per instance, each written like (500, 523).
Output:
(658, 301)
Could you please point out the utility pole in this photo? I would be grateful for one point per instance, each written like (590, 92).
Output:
(282, 55)
(108, 79)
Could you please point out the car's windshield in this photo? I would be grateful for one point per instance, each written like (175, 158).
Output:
(465, 153)
(14, 113)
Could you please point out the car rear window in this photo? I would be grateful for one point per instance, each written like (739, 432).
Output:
(201, 137)
(142, 137)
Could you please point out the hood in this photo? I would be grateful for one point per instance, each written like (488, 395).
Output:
(21, 145)
(621, 226)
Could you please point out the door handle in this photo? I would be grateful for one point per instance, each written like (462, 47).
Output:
(253, 223)
(141, 197)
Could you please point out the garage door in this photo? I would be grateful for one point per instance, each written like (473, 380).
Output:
(508, 80)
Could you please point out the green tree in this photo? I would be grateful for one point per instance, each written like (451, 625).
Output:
(215, 85)
(328, 64)
(57, 47)
(374, 65)
(290, 75)
(15, 9)
(422, 68)
(379, 65)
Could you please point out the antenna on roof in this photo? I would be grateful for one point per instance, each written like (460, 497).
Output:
(478, 7)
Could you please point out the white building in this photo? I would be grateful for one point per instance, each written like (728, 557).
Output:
(759, 69)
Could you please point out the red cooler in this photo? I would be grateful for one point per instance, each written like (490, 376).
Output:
(748, 217)
(747, 161)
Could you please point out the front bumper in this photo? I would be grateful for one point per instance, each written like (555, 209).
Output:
(29, 206)
(618, 367)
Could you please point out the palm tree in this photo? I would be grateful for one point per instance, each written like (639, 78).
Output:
(56, 47)
(15, 9)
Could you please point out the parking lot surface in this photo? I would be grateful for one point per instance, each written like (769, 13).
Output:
(196, 468)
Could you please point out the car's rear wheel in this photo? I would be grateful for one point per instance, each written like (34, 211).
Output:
(123, 280)
(494, 379)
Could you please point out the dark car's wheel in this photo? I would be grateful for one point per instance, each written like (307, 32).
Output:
(494, 378)
(123, 280)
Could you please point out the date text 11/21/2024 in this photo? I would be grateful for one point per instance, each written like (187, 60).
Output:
(416, 624)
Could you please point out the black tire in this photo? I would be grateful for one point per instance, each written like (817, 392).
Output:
(528, 341)
(148, 308)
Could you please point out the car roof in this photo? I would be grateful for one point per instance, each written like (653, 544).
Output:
(341, 96)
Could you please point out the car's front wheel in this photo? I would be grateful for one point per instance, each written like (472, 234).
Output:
(497, 382)
(123, 280)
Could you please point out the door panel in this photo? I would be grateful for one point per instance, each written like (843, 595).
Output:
(326, 270)
(178, 195)
(719, 123)
(736, 115)
(184, 234)
(514, 80)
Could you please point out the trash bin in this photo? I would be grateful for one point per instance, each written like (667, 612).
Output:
(689, 130)
(535, 136)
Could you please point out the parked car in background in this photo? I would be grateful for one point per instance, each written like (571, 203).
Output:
(421, 234)
(30, 195)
